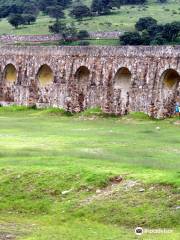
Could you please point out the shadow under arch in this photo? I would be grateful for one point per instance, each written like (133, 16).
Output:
(45, 75)
(169, 80)
(82, 75)
(122, 81)
(10, 73)
(82, 79)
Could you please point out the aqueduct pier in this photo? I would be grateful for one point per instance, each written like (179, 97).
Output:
(117, 79)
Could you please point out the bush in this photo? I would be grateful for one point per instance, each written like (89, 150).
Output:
(82, 34)
(131, 38)
(145, 23)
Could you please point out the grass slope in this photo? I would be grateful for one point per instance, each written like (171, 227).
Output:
(57, 175)
(123, 19)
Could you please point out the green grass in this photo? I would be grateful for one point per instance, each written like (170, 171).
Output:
(125, 18)
(46, 152)
(101, 42)
(92, 42)
(40, 27)
(120, 20)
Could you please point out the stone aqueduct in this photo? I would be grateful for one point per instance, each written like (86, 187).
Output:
(117, 79)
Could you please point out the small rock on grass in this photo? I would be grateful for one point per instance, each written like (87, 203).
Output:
(98, 191)
(66, 192)
(141, 190)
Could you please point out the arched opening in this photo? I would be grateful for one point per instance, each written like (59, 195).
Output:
(82, 75)
(82, 79)
(45, 75)
(10, 73)
(169, 91)
(122, 81)
(170, 79)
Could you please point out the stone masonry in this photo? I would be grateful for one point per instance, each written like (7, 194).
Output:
(10, 39)
(116, 79)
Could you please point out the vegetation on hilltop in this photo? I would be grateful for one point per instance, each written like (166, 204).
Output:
(148, 32)
(35, 17)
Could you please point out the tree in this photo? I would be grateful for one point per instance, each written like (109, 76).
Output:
(158, 40)
(125, 2)
(171, 31)
(44, 4)
(68, 33)
(83, 34)
(57, 27)
(29, 18)
(80, 11)
(146, 39)
(15, 20)
(55, 12)
(101, 7)
(30, 8)
(162, 1)
(145, 23)
(153, 30)
(131, 38)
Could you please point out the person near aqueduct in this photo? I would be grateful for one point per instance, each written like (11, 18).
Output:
(177, 108)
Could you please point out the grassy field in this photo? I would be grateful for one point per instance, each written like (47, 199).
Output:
(87, 176)
(123, 19)
(101, 42)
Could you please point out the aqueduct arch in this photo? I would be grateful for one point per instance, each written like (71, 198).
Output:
(82, 75)
(45, 75)
(122, 82)
(168, 94)
(82, 78)
(169, 80)
(10, 73)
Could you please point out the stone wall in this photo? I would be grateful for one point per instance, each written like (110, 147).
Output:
(106, 35)
(116, 79)
(29, 38)
(54, 37)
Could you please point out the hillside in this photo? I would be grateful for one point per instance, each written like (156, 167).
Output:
(122, 19)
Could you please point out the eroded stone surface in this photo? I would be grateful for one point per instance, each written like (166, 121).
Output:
(86, 77)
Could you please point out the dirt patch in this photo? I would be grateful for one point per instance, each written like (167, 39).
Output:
(7, 236)
(12, 231)
(117, 185)
(177, 122)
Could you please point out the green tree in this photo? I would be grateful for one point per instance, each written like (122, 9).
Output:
(145, 23)
(153, 30)
(101, 7)
(55, 12)
(30, 8)
(146, 39)
(80, 11)
(29, 18)
(57, 27)
(162, 1)
(83, 34)
(131, 38)
(158, 39)
(15, 20)
(171, 31)
(68, 32)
